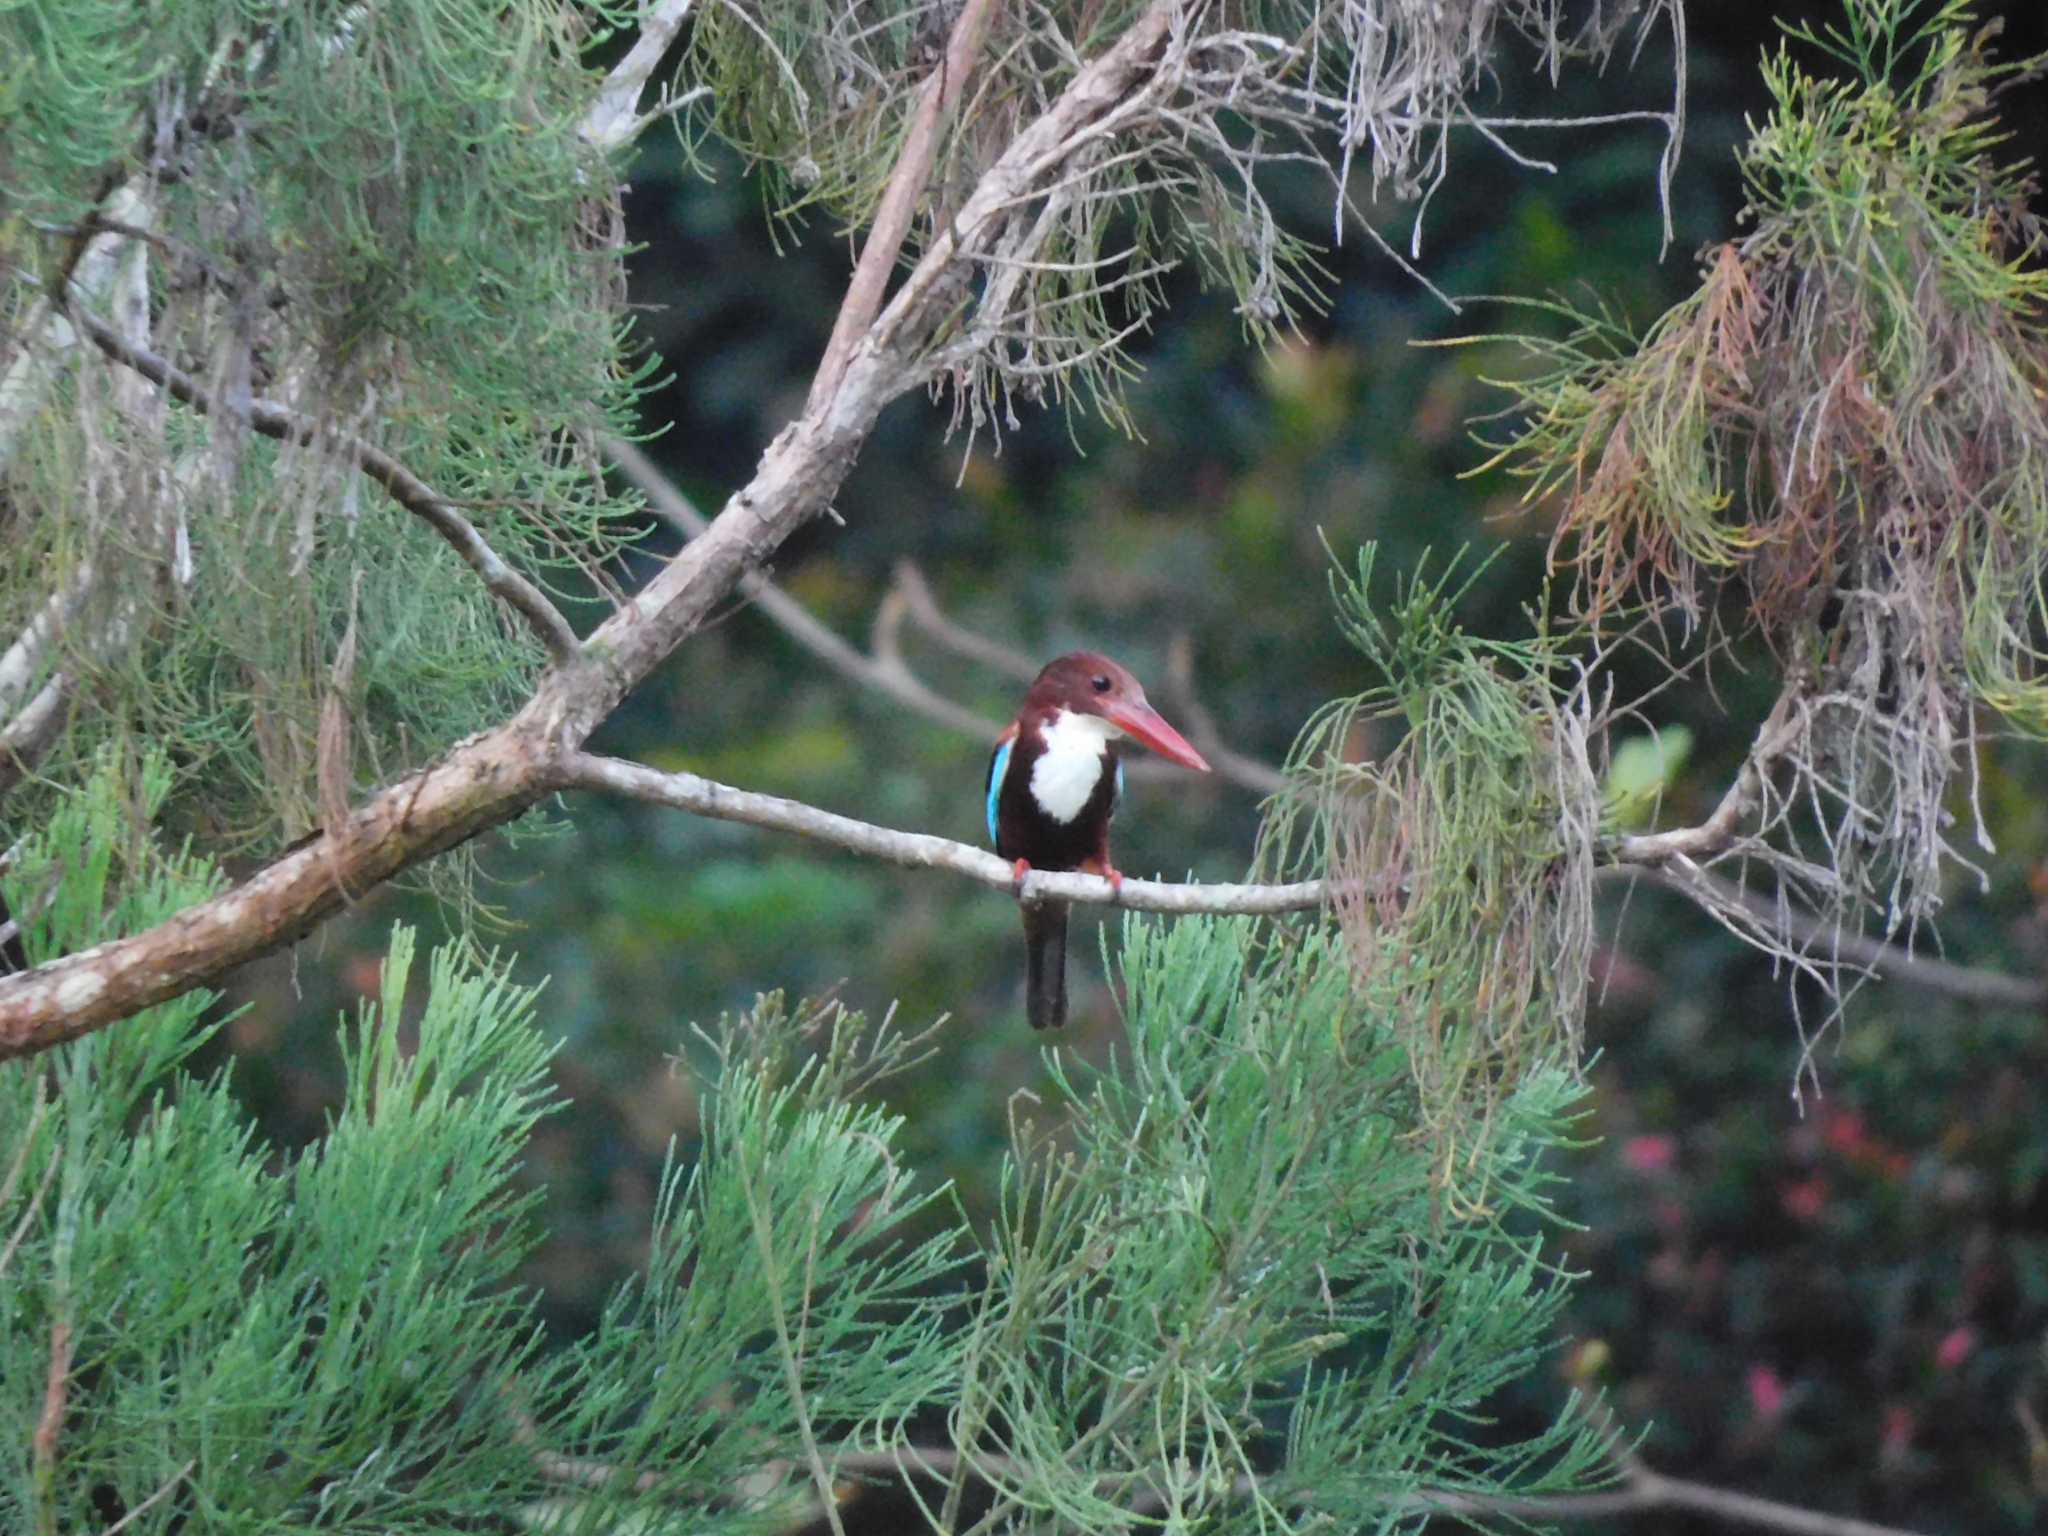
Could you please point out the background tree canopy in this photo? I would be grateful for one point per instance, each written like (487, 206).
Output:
(325, 351)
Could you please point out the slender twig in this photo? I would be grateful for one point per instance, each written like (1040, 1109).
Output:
(923, 606)
(1717, 834)
(21, 662)
(163, 1492)
(899, 200)
(28, 1216)
(883, 674)
(1200, 726)
(19, 1166)
(786, 1347)
(1643, 1492)
(50, 1426)
(1829, 943)
(404, 487)
(918, 850)
(32, 731)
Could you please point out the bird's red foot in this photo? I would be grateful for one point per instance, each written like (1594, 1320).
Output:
(1017, 874)
(1109, 872)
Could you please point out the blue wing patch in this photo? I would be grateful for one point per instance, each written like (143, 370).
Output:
(998, 766)
(1116, 796)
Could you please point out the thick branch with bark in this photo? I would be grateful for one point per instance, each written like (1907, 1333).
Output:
(498, 774)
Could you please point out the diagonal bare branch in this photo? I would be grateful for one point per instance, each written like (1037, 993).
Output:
(899, 199)
(922, 604)
(1831, 945)
(1719, 832)
(498, 774)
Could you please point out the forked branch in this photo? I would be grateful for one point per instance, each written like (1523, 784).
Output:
(907, 183)
(497, 775)
(1720, 831)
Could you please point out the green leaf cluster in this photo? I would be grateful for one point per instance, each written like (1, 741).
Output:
(1227, 1292)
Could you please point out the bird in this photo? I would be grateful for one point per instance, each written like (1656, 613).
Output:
(1053, 784)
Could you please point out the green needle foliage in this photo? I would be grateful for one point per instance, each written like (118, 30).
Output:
(1224, 1288)
(384, 218)
(1461, 851)
(1228, 1293)
(784, 1301)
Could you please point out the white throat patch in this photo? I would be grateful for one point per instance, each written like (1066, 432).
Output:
(1067, 772)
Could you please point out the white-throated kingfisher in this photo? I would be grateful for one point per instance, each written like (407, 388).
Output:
(1053, 785)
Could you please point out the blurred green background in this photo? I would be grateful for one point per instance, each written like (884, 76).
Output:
(1843, 1304)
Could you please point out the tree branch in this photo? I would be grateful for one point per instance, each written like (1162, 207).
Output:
(910, 596)
(407, 489)
(50, 1427)
(498, 774)
(615, 118)
(922, 604)
(1718, 833)
(1644, 1491)
(486, 781)
(32, 732)
(919, 850)
(1201, 729)
(899, 199)
(163, 1491)
(1829, 943)
(886, 675)
(46, 340)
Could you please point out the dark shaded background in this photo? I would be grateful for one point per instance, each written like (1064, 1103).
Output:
(1845, 1306)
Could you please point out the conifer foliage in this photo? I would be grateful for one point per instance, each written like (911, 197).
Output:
(311, 326)
(1236, 1296)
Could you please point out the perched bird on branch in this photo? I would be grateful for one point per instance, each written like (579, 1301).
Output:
(1053, 785)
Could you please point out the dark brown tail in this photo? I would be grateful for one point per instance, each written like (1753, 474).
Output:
(1045, 964)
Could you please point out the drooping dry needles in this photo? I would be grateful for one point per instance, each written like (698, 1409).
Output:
(1846, 419)
(1072, 262)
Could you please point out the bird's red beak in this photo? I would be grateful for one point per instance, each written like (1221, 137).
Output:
(1142, 721)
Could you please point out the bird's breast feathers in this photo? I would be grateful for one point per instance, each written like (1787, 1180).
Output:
(1070, 766)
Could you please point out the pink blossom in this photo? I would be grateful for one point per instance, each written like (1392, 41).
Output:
(1650, 1154)
(1954, 1348)
(1766, 1392)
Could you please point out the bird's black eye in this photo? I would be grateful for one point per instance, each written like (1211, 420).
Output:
(1100, 683)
